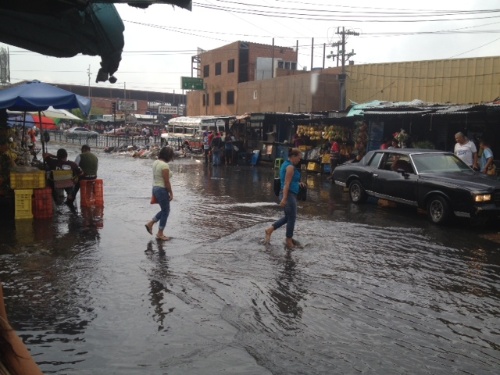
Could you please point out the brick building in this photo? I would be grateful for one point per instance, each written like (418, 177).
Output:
(224, 68)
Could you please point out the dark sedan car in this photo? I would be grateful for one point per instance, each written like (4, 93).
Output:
(436, 181)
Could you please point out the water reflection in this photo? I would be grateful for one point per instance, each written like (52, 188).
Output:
(288, 292)
(160, 276)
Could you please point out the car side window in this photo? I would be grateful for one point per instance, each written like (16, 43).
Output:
(375, 160)
(394, 162)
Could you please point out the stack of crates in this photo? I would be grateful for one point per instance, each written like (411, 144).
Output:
(325, 163)
(91, 193)
(32, 198)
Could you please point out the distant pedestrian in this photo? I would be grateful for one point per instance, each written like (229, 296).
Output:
(466, 150)
(162, 191)
(206, 146)
(486, 161)
(228, 148)
(290, 185)
(334, 154)
(394, 144)
(216, 148)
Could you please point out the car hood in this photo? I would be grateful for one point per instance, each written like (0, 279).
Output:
(469, 180)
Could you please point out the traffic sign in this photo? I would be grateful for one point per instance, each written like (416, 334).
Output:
(192, 83)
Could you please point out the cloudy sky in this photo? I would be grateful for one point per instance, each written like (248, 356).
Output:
(160, 40)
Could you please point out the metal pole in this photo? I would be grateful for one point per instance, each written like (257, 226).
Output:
(272, 63)
(312, 53)
(342, 77)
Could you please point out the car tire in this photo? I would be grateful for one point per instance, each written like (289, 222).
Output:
(357, 192)
(438, 209)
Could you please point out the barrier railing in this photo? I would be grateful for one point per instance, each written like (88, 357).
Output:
(104, 141)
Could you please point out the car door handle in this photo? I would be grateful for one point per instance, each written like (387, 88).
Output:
(375, 175)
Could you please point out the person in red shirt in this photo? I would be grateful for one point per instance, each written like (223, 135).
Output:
(32, 135)
(334, 154)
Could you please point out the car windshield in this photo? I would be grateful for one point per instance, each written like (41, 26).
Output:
(438, 163)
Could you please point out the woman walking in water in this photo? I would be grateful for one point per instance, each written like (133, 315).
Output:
(290, 184)
(162, 191)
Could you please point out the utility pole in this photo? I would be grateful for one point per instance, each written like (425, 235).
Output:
(344, 57)
(88, 72)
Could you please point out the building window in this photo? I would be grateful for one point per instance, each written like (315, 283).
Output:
(280, 64)
(218, 69)
(206, 71)
(230, 66)
(294, 66)
(205, 100)
(217, 98)
(230, 97)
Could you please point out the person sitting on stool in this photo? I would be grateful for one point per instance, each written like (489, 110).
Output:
(89, 163)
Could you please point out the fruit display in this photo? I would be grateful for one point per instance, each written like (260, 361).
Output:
(320, 132)
(361, 137)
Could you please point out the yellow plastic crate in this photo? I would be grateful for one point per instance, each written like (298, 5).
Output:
(313, 167)
(29, 180)
(23, 203)
(325, 159)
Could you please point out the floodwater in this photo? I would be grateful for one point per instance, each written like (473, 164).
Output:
(373, 290)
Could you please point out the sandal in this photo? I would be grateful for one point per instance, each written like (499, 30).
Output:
(162, 238)
(149, 229)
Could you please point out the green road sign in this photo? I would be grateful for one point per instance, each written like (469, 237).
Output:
(192, 83)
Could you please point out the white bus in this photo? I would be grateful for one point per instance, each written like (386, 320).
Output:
(191, 128)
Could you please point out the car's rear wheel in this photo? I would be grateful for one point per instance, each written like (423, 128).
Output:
(356, 192)
(438, 209)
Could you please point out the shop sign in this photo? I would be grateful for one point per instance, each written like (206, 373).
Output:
(167, 110)
(127, 106)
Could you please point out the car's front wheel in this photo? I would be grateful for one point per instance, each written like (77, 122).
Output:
(438, 209)
(356, 192)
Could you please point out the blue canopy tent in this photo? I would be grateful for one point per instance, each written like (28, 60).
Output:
(38, 96)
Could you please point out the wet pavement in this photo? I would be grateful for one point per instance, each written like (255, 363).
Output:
(373, 290)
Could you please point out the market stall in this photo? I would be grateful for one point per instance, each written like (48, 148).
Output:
(314, 138)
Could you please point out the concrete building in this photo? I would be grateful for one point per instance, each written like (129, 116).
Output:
(224, 69)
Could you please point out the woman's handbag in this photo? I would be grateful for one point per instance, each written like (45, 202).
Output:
(277, 186)
(302, 195)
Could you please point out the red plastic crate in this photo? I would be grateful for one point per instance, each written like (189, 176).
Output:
(42, 203)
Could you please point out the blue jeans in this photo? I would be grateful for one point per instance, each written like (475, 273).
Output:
(163, 199)
(216, 157)
(290, 214)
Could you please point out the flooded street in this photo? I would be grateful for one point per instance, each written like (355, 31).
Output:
(373, 290)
